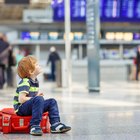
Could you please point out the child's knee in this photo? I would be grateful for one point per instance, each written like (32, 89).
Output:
(53, 101)
(39, 99)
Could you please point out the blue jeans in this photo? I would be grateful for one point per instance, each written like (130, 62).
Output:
(36, 106)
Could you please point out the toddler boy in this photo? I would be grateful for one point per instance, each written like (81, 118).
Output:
(28, 101)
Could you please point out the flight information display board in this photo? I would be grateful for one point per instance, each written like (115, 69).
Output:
(58, 10)
(77, 10)
(110, 10)
(127, 9)
(137, 9)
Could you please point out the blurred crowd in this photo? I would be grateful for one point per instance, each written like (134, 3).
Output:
(8, 62)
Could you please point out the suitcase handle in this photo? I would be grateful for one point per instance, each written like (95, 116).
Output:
(20, 127)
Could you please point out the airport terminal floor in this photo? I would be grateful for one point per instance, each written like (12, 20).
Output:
(112, 114)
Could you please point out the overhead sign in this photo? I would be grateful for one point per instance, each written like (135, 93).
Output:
(77, 10)
(110, 10)
(38, 15)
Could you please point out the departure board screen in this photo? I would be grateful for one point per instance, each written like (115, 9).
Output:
(110, 10)
(127, 10)
(137, 9)
(78, 10)
(59, 12)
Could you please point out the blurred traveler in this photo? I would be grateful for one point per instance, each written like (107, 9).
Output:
(53, 58)
(4, 54)
(10, 63)
(137, 63)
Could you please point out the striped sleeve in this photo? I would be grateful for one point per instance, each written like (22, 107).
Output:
(24, 86)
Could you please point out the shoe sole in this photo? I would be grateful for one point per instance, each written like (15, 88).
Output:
(35, 134)
(62, 131)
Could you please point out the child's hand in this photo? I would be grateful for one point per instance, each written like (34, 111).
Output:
(40, 94)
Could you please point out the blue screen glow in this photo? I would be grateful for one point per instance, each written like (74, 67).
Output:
(110, 10)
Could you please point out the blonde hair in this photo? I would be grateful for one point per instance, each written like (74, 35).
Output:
(26, 66)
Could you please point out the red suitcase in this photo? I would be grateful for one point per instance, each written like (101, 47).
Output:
(0, 121)
(11, 123)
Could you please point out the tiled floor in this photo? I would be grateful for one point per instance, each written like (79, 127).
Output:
(112, 114)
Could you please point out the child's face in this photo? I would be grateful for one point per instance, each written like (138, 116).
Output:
(38, 69)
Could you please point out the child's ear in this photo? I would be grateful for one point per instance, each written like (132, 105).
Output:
(31, 72)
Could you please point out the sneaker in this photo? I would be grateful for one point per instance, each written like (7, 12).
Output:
(36, 130)
(59, 128)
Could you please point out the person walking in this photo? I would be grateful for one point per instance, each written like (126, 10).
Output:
(53, 58)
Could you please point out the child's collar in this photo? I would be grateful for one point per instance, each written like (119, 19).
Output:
(34, 80)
